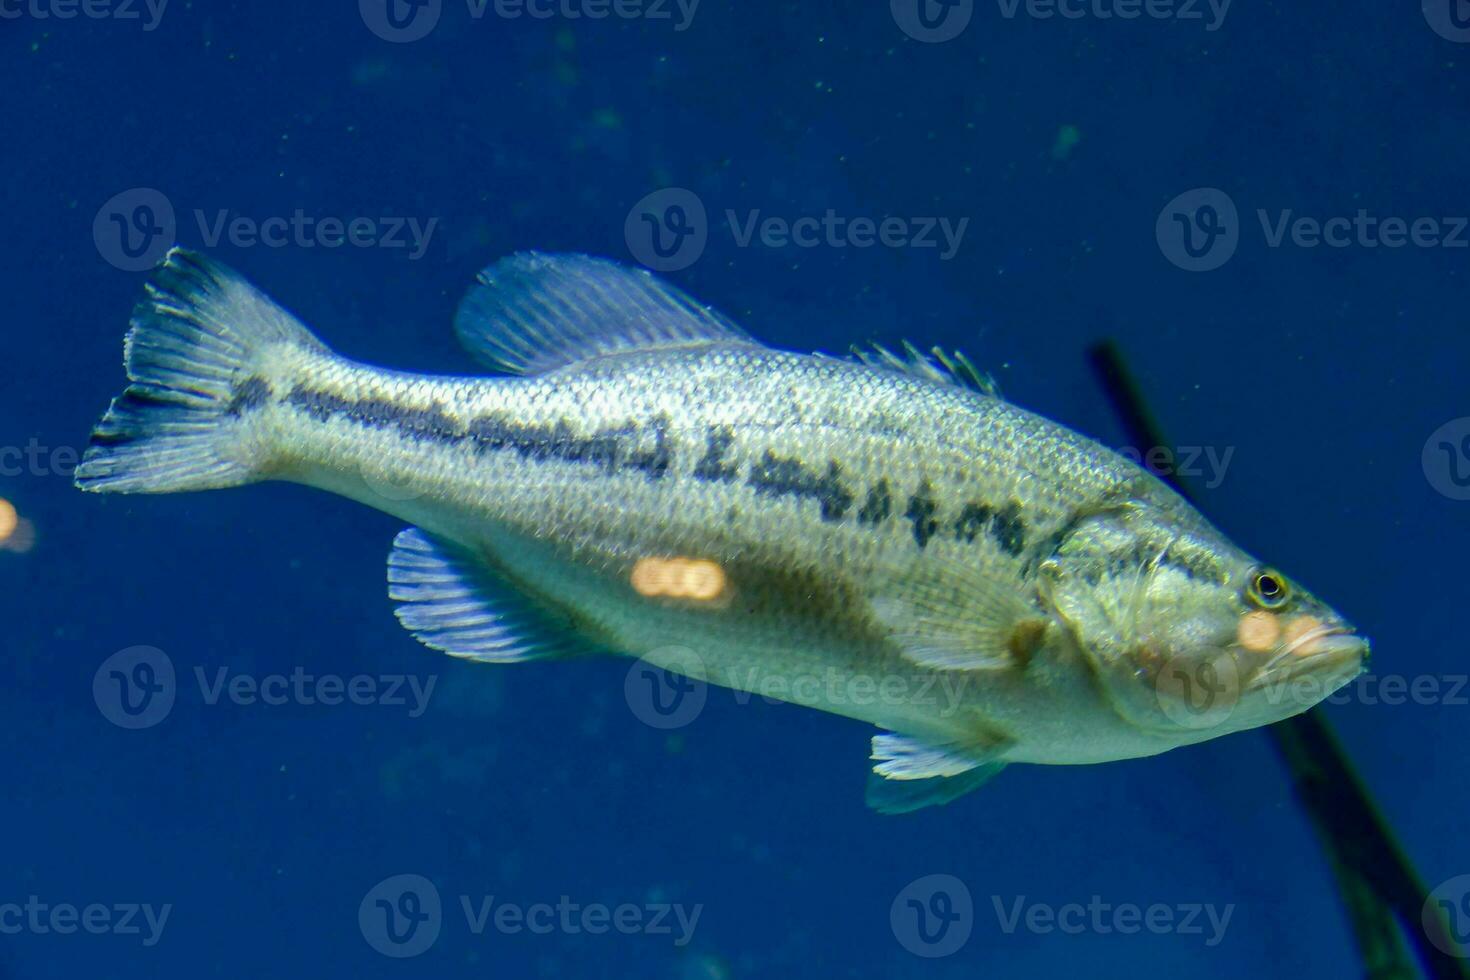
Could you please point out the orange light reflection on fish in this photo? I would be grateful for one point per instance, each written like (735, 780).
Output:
(679, 578)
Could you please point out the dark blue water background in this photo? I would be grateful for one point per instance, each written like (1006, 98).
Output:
(1323, 369)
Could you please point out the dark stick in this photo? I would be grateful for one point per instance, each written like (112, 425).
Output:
(1374, 876)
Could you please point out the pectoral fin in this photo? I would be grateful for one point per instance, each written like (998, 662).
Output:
(951, 619)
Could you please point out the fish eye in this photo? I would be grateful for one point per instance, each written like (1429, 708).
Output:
(1268, 589)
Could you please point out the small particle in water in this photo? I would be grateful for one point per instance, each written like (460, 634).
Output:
(1067, 138)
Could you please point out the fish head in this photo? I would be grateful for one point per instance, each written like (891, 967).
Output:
(1188, 636)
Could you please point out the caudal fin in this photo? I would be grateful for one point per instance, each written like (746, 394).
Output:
(192, 353)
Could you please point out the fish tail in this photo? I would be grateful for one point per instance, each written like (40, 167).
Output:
(194, 356)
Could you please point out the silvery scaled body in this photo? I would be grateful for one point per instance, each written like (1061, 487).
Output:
(874, 537)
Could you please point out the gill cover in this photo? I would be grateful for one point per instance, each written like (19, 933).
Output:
(1146, 594)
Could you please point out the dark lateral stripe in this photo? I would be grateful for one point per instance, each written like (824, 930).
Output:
(921, 511)
(252, 393)
(778, 476)
(1005, 525)
(610, 449)
(656, 461)
(972, 520)
(1009, 530)
(627, 447)
(712, 465)
(375, 413)
(878, 506)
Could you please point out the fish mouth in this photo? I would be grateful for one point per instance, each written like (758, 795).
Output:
(1333, 650)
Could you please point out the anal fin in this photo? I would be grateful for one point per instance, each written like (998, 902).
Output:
(452, 601)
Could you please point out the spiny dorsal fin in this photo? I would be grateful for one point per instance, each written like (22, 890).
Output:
(531, 313)
(952, 368)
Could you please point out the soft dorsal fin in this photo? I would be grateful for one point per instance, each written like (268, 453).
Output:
(533, 312)
(937, 366)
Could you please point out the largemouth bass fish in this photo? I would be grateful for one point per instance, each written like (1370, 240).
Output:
(874, 537)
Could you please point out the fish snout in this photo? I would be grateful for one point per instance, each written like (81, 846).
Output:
(1303, 645)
